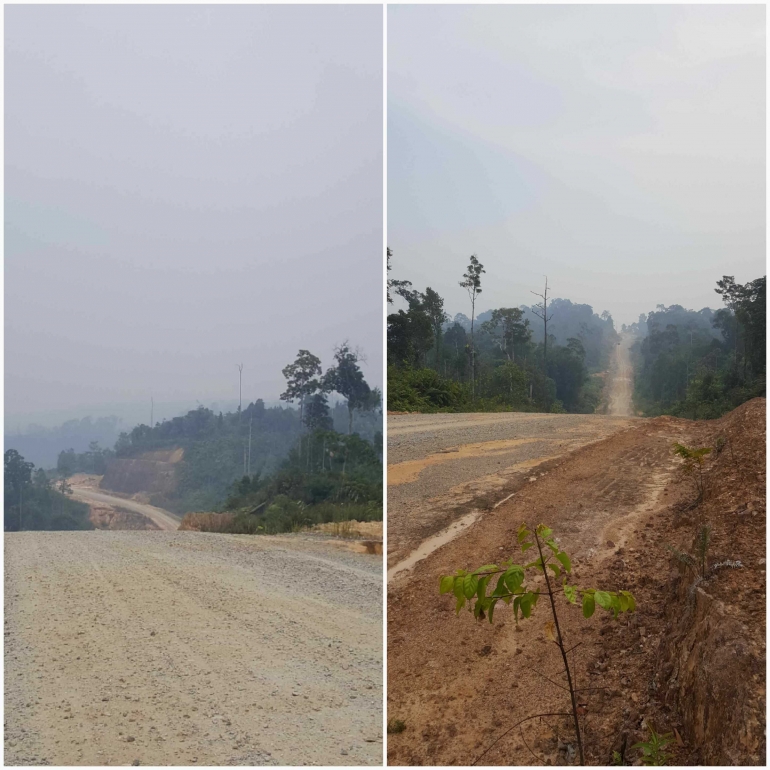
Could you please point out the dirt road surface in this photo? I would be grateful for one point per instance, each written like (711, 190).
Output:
(446, 470)
(182, 648)
(621, 386)
(84, 491)
(458, 684)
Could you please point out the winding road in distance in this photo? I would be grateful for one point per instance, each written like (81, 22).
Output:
(164, 520)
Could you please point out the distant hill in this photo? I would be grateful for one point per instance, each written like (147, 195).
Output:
(42, 445)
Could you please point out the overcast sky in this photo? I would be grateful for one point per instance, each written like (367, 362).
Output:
(618, 149)
(187, 188)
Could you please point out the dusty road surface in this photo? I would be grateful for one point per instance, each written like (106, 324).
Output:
(621, 384)
(182, 648)
(446, 470)
(458, 685)
(83, 489)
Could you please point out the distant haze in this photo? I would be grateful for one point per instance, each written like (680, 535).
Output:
(187, 188)
(619, 149)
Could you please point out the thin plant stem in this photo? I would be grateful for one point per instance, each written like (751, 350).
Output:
(560, 643)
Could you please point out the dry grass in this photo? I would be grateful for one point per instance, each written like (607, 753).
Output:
(207, 522)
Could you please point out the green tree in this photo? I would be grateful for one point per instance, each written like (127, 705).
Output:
(317, 413)
(410, 335)
(508, 328)
(67, 462)
(18, 480)
(433, 306)
(392, 283)
(301, 379)
(347, 379)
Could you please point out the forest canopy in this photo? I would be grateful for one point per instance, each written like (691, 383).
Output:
(701, 364)
(526, 358)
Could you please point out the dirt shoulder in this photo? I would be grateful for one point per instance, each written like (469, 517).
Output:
(186, 648)
(458, 684)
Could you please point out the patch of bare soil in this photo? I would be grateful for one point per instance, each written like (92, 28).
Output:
(458, 685)
(371, 530)
(109, 517)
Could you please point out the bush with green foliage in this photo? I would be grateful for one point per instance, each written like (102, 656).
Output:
(327, 477)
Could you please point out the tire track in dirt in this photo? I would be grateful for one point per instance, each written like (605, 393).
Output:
(458, 684)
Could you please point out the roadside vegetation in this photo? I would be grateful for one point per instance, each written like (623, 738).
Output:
(234, 457)
(35, 501)
(702, 364)
(537, 358)
(327, 475)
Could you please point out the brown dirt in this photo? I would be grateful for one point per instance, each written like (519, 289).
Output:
(124, 508)
(108, 517)
(207, 522)
(366, 530)
(458, 685)
(152, 473)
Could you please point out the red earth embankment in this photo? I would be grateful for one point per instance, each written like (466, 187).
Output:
(152, 473)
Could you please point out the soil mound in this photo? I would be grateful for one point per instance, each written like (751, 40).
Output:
(712, 653)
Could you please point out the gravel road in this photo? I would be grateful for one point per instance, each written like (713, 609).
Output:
(181, 648)
(621, 391)
(163, 519)
(442, 467)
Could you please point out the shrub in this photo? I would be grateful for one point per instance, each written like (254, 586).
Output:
(471, 588)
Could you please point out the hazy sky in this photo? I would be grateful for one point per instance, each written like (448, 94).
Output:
(187, 188)
(619, 149)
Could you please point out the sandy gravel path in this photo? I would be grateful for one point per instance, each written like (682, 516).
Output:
(180, 648)
(445, 469)
(164, 520)
(621, 382)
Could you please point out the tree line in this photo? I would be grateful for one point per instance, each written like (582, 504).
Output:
(701, 364)
(526, 358)
(35, 501)
(327, 475)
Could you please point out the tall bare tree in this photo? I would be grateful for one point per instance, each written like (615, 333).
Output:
(541, 311)
(472, 284)
(240, 390)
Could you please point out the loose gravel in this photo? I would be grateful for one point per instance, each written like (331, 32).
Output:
(183, 648)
